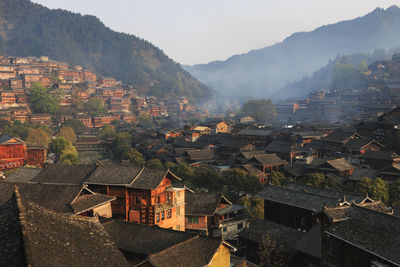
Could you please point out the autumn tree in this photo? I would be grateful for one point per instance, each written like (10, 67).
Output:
(38, 137)
(379, 190)
(255, 206)
(68, 133)
(394, 193)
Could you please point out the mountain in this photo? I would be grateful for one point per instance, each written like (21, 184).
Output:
(29, 29)
(263, 72)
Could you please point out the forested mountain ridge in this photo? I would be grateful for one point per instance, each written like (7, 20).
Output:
(263, 72)
(29, 29)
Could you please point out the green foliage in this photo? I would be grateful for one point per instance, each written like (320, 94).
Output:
(270, 254)
(145, 120)
(345, 76)
(154, 163)
(69, 155)
(260, 110)
(16, 129)
(122, 146)
(277, 178)
(42, 101)
(379, 190)
(394, 193)
(86, 41)
(134, 156)
(107, 132)
(364, 186)
(255, 206)
(94, 107)
(58, 144)
(38, 137)
(332, 183)
(239, 180)
(74, 124)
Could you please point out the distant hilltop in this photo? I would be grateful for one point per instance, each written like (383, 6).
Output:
(28, 29)
(263, 72)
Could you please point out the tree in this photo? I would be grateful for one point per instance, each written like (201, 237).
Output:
(94, 107)
(74, 124)
(260, 110)
(122, 145)
(364, 186)
(240, 180)
(107, 132)
(135, 156)
(380, 190)
(255, 206)
(38, 137)
(332, 183)
(270, 254)
(42, 101)
(69, 155)
(314, 179)
(58, 144)
(154, 163)
(276, 178)
(394, 193)
(68, 133)
(145, 120)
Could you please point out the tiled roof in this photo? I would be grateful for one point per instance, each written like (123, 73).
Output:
(113, 174)
(23, 175)
(143, 239)
(150, 178)
(202, 203)
(32, 235)
(338, 164)
(382, 155)
(249, 154)
(358, 144)
(195, 252)
(90, 201)
(269, 159)
(310, 243)
(283, 235)
(339, 136)
(371, 231)
(279, 147)
(64, 174)
(200, 154)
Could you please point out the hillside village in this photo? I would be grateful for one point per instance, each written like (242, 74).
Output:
(211, 192)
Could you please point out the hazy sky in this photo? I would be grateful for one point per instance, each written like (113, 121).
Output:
(200, 31)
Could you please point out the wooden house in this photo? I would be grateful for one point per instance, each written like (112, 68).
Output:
(12, 152)
(268, 163)
(144, 195)
(213, 215)
(339, 167)
(378, 159)
(257, 136)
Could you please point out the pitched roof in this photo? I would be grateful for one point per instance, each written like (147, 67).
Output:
(382, 155)
(253, 170)
(89, 201)
(310, 242)
(23, 175)
(339, 136)
(338, 164)
(371, 231)
(279, 147)
(307, 197)
(64, 174)
(195, 252)
(269, 159)
(113, 174)
(5, 138)
(283, 235)
(256, 132)
(203, 203)
(33, 235)
(150, 178)
(200, 154)
(359, 144)
(249, 154)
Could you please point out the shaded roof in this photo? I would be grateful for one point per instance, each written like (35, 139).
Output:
(269, 159)
(310, 242)
(23, 175)
(382, 155)
(371, 231)
(143, 239)
(195, 252)
(89, 201)
(200, 154)
(33, 235)
(64, 174)
(339, 136)
(256, 132)
(279, 147)
(307, 197)
(203, 203)
(249, 154)
(113, 174)
(359, 144)
(151, 178)
(283, 235)
(253, 170)
(338, 164)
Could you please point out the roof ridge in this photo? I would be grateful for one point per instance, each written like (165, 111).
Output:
(137, 175)
(175, 245)
(23, 225)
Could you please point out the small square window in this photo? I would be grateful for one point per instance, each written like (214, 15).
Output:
(158, 199)
(240, 226)
(162, 215)
(157, 217)
(169, 213)
(224, 229)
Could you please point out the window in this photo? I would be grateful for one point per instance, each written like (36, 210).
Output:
(138, 200)
(224, 229)
(169, 213)
(169, 196)
(240, 226)
(157, 217)
(192, 219)
(178, 211)
(158, 199)
(162, 215)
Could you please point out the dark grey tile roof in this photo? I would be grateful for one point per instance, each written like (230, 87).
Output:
(200, 154)
(269, 159)
(143, 239)
(89, 201)
(23, 175)
(279, 147)
(340, 164)
(249, 154)
(372, 231)
(196, 252)
(112, 174)
(358, 144)
(382, 155)
(338, 136)
(38, 237)
(309, 198)
(64, 174)
(202, 203)
(310, 242)
(150, 178)
(256, 132)
(283, 235)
